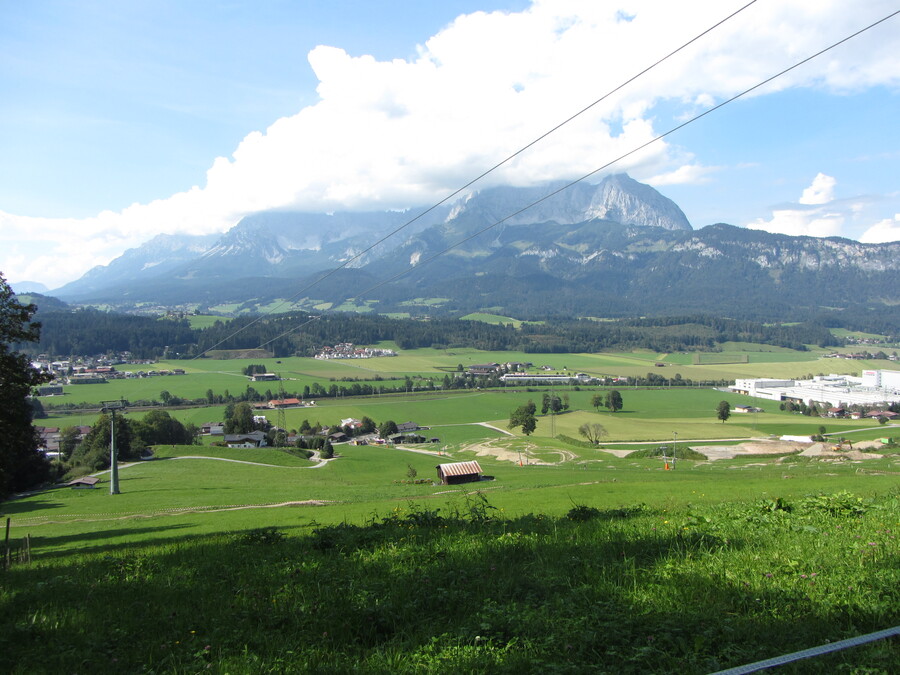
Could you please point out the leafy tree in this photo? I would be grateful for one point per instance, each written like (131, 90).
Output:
(165, 397)
(545, 403)
(327, 451)
(22, 465)
(37, 408)
(387, 428)
(94, 449)
(241, 419)
(68, 441)
(613, 400)
(367, 425)
(593, 432)
(411, 472)
(159, 428)
(597, 401)
(523, 417)
(723, 410)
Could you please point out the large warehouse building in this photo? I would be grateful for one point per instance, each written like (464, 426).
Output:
(875, 387)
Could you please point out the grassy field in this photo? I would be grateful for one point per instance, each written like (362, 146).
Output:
(597, 563)
(648, 414)
(571, 559)
(227, 375)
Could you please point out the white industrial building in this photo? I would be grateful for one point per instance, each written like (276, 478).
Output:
(873, 388)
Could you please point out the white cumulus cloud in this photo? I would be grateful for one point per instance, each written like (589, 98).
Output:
(819, 213)
(883, 232)
(820, 192)
(403, 132)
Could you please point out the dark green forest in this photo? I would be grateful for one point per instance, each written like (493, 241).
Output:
(91, 332)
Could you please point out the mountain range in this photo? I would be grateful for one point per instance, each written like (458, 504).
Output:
(614, 248)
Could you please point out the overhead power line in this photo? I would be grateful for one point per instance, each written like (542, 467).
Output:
(626, 154)
(482, 175)
(634, 150)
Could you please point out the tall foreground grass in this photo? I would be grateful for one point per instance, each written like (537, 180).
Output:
(466, 589)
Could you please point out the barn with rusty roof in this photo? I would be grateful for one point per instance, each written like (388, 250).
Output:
(459, 472)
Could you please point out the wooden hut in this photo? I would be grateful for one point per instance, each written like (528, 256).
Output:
(459, 472)
(85, 482)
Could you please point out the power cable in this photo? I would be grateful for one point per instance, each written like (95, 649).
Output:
(479, 177)
(625, 155)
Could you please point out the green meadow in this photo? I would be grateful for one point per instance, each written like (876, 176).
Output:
(593, 564)
(227, 375)
(568, 559)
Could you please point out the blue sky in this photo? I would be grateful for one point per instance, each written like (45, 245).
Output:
(124, 120)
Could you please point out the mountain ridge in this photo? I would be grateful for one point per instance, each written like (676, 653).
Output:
(606, 249)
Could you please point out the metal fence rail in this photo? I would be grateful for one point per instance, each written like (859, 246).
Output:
(813, 651)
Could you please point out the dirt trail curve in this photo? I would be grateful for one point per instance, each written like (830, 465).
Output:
(315, 457)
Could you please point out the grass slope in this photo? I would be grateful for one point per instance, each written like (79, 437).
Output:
(426, 589)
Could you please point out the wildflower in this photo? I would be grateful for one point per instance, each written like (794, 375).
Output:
(873, 543)
(803, 576)
(769, 575)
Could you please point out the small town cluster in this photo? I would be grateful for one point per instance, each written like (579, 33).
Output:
(346, 350)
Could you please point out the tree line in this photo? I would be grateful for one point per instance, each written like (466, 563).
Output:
(92, 332)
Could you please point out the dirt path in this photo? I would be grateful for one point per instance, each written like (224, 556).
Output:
(315, 456)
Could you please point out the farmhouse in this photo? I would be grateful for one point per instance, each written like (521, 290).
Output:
(254, 439)
(580, 378)
(459, 472)
(213, 429)
(484, 368)
(285, 403)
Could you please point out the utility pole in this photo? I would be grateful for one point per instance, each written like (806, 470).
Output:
(111, 407)
(281, 419)
(674, 445)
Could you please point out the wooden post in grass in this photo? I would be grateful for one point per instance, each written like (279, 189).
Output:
(7, 544)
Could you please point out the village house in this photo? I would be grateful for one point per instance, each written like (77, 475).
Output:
(254, 439)
(275, 404)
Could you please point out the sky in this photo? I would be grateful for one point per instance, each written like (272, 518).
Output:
(123, 120)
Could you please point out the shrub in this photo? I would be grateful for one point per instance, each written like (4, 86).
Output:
(262, 536)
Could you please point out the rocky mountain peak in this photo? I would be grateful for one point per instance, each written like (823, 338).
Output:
(617, 198)
(622, 199)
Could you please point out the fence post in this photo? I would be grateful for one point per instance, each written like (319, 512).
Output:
(8, 559)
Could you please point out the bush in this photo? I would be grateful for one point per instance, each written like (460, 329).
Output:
(838, 504)
(261, 536)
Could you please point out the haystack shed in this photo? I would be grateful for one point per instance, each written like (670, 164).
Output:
(459, 472)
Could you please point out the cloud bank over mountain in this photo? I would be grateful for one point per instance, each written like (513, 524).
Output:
(392, 134)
